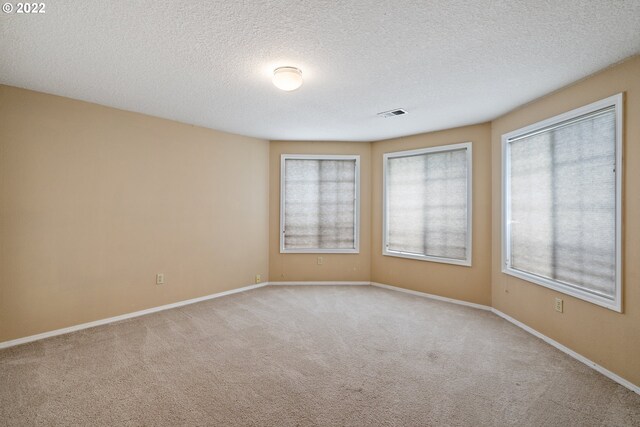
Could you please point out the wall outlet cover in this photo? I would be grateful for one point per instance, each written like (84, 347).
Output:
(559, 306)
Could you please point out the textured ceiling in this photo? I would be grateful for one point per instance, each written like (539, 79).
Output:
(209, 63)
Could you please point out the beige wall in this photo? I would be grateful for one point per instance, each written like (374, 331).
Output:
(95, 201)
(471, 284)
(608, 338)
(304, 267)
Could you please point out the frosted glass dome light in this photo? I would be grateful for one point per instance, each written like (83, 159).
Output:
(287, 78)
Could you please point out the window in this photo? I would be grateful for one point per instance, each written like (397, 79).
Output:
(319, 203)
(427, 204)
(561, 201)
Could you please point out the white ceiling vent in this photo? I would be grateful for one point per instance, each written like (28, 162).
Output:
(393, 113)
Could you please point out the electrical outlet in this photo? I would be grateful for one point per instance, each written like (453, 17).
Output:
(320, 260)
(160, 279)
(558, 305)
(258, 278)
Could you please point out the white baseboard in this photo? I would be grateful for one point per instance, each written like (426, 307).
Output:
(508, 318)
(100, 322)
(431, 296)
(604, 371)
(108, 320)
(325, 283)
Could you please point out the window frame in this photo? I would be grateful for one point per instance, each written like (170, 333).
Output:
(356, 219)
(617, 102)
(467, 262)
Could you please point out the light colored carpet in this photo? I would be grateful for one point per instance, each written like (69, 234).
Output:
(307, 355)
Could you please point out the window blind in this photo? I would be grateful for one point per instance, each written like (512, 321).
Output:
(426, 196)
(563, 203)
(319, 204)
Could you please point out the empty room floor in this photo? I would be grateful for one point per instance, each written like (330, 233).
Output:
(307, 355)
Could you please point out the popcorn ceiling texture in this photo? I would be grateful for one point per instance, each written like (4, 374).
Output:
(448, 62)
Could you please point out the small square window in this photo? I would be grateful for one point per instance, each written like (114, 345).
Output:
(427, 204)
(319, 203)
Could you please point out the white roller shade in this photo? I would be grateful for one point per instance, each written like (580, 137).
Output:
(319, 204)
(427, 204)
(563, 203)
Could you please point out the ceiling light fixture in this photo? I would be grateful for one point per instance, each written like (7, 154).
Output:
(287, 78)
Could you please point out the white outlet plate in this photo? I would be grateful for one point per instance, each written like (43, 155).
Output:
(160, 279)
(320, 260)
(559, 306)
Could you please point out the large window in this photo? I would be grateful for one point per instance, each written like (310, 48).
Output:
(319, 203)
(427, 204)
(561, 201)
